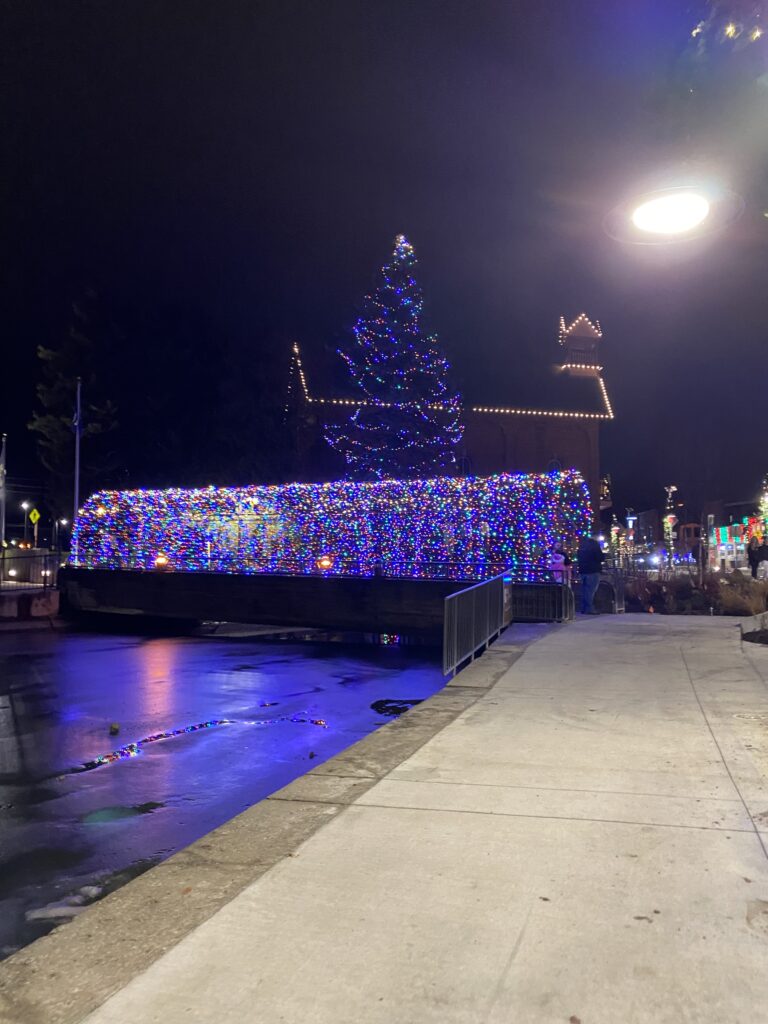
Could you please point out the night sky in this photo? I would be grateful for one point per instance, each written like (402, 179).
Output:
(228, 176)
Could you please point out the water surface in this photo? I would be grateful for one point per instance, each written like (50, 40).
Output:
(85, 805)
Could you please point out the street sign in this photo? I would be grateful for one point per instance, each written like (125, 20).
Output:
(34, 516)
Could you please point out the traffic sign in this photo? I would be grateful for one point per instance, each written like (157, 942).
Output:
(34, 516)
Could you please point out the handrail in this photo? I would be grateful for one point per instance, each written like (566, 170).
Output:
(472, 618)
(28, 570)
(542, 602)
(414, 568)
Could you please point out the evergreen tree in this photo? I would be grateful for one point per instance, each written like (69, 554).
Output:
(407, 424)
(77, 356)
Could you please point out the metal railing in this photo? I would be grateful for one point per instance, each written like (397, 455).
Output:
(23, 571)
(617, 581)
(472, 618)
(542, 602)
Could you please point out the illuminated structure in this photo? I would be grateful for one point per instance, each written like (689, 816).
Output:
(461, 528)
(560, 429)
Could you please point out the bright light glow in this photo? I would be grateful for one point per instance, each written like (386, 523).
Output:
(325, 562)
(161, 562)
(11, 572)
(671, 214)
(730, 30)
(25, 505)
(655, 559)
(756, 34)
(63, 522)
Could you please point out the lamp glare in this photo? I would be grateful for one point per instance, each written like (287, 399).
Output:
(671, 214)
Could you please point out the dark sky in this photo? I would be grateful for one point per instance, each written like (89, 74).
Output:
(236, 171)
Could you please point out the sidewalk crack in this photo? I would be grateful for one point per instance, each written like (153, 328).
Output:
(727, 767)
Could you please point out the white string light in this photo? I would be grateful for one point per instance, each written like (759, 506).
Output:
(582, 318)
(565, 330)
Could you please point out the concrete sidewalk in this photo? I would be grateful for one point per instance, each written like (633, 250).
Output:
(586, 843)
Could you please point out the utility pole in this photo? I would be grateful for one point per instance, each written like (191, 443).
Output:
(76, 425)
(2, 493)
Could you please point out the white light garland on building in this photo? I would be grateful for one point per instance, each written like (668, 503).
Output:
(565, 330)
(582, 318)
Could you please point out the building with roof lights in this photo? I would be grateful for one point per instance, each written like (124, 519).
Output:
(560, 429)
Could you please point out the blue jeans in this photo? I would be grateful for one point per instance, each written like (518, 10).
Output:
(589, 583)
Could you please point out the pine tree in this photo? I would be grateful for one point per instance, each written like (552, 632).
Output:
(78, 355)
(407, 423)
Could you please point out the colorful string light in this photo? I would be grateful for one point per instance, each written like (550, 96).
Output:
(458, 528)
(407, 422)
(763, 502)
(135, 748)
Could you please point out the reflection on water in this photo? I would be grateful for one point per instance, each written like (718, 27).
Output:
(185, 733)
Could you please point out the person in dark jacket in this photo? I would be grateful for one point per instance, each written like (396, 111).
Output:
(753, 555)
(762, 551)
(590, 560)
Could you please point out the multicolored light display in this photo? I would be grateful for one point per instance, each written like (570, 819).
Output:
(451, 527)
(407, 421)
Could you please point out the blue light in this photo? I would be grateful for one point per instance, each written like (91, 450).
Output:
(460, 528)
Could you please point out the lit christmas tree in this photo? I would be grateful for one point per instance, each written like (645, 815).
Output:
(407, 424)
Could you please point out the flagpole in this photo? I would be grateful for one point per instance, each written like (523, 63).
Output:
(77, 458)
(2, 493)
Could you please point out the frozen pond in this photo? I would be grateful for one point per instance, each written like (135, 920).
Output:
(84, 804)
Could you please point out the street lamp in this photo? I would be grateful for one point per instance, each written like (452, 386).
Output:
(57, 523)
(25, 506)
(677, 214)
(671, 213)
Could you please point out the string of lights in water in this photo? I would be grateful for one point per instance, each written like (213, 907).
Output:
(135, 748)
(454, 527)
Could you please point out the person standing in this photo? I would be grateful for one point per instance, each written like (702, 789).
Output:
(567, 563)
(590, 560)
(762, 555)
(557, 565)
(753, 555)
(560, 565)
